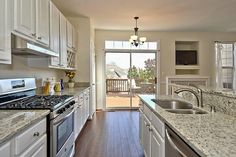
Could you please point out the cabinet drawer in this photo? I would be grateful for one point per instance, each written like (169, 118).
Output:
(37, 149)
(147, 112)
(158, 125)
(28, 137)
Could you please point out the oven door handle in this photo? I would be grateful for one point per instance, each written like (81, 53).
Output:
(173, 145)
(63, 119)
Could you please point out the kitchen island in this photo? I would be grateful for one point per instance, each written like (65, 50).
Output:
(211, 134)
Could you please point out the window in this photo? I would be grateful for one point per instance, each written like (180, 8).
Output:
(227, 60)
(127, 46)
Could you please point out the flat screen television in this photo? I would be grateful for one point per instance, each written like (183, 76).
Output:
(186, 57)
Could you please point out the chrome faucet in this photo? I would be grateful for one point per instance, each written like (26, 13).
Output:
(191, 91)
(199, 90)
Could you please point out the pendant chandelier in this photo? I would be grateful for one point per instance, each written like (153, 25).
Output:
(134, 39)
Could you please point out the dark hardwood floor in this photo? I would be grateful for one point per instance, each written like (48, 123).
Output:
(110, 134)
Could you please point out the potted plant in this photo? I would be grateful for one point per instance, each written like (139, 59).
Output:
(70, 75)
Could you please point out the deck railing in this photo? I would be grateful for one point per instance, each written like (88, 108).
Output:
(117, 85)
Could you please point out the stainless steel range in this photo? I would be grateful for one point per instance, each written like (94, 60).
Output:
(21, 94)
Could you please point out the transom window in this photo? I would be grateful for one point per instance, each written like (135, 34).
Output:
(127, 45)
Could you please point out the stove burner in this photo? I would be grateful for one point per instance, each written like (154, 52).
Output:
(37, 102)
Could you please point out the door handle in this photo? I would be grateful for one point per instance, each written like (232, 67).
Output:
(173, 144)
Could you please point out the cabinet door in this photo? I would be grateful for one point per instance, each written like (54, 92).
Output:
(24, 17)
(5, 150)
(69, 31)
(157, 144)
(146, 137)
(54, 33)
(141, 127)
(5, 35)
(74, 39)
(42, 21)
(76, 123)
(38, 149)
(63, 43)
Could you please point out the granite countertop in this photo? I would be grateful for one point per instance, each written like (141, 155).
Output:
(211, 135)
(14, 121)
(67, 91)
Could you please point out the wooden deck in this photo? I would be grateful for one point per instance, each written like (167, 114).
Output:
(121, 101)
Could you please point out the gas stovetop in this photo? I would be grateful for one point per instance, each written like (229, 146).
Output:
(51, 102)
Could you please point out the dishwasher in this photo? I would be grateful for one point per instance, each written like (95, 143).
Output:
(175, 146)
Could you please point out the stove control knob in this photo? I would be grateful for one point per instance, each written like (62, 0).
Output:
(60, 111)
(72, 103)
(68, 106)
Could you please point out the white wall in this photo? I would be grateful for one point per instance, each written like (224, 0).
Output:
(83, 27)
(167, 60)
(19, 69)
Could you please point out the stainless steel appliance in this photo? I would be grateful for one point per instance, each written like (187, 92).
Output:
(20, 94)
(175, 146)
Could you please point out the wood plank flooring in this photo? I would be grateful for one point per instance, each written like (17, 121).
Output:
(110, 134)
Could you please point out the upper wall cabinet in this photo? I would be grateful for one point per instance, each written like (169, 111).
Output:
(63, 41)
(69, 34)
(31, 19)
(5, 35)
(55, 33)
(75, 39)
(25, 17)
(42, 21)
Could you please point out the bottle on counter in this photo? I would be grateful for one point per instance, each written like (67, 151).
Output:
(62, 84)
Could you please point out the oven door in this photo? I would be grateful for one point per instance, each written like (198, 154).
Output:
(63, 134)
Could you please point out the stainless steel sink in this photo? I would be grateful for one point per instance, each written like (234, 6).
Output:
(178, 107)
(173, 104)
(187, 111)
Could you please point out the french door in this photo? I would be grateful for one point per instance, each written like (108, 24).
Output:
(127, 75)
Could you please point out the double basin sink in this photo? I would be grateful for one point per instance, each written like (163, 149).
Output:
(178, 107)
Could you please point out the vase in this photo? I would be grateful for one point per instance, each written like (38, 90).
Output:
(71, 84)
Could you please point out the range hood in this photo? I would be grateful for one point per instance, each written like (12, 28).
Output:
(30, 49)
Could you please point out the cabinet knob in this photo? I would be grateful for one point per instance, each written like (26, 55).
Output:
(39, 38)
(33, 34)
(150, 129)
(36, 134)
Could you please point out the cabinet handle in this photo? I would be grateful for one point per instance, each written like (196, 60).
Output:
(36, 134)
(33, 34)
(147, 125)
(39, 38)
(150, 129)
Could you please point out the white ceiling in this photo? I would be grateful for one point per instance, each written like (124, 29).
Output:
(161, 15)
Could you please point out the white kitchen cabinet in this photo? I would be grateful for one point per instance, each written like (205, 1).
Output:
(42, 21)
(75, 39)
(78, 114)
(152, 137)
(5, 150)
(37, 149)
(31, 20)
(157, 144)
(25, 17)
(5, 35)
(69, 34)
(141, 127)
(54, 33)
(63, 41)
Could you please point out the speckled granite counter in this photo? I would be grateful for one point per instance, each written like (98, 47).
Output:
(211, 135)
(67, 91)
(14, 121)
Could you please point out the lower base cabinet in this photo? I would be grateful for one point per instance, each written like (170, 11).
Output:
(152, 141)
(5, 150)
(31, 142)
(38, 149)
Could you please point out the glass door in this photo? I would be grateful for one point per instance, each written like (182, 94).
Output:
(142, 74)
(117, 82)
(127, 75)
